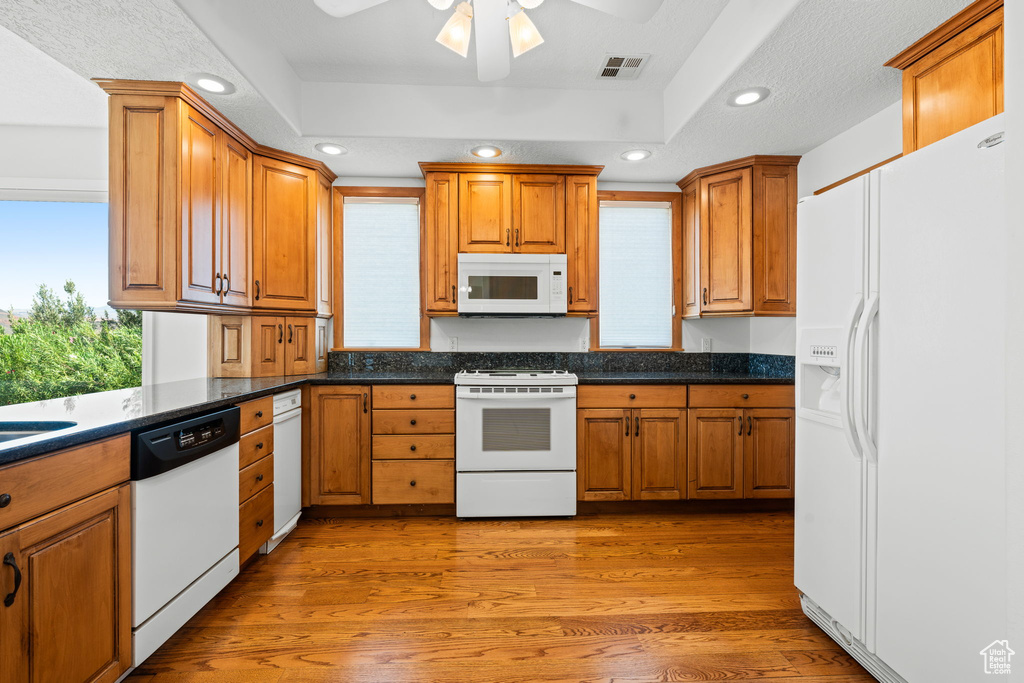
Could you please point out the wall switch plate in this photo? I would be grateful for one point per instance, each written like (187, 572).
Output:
(705, 345)
(453, 343)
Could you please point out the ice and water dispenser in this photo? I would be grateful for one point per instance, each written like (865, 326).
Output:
(819, 390)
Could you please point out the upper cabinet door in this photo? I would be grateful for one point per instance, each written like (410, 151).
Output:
(268, 352)
(324, 239)
(581, 242)
(538, 214)
(300, 346)
(284, 235)
(485, 213)
(440, 258)
(235, 222)
(726, 232)
(774, 202)
(691, 250)
(200, 268)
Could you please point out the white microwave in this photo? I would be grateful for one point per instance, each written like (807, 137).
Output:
(512, 284)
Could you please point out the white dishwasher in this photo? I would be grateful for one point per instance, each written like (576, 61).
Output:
(287, 466)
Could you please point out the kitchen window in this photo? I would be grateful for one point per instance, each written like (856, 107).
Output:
(380, 241)
(639, 270)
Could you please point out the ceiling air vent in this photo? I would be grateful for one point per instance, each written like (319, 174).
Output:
(623, 67)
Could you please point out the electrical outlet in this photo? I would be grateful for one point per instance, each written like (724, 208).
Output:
(584, 344)
(453, 343)
(705, 345)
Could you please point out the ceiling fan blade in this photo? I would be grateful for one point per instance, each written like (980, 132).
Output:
(639, 11)
(343, 8)
(492, 58)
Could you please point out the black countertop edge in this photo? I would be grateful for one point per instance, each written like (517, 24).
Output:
(234, 391)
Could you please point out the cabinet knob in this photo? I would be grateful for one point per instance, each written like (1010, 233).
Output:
(412, 447)
(5, 500)
(746, 395)
(412, 483)
(412, 397)
(259, 477)
(632, 396)
(259, 523)
(259, 413)
(259, 445)
(412, 422)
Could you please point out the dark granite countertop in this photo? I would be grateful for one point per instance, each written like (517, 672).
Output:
(109, 413)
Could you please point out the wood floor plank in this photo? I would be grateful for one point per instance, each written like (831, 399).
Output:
(600, 598)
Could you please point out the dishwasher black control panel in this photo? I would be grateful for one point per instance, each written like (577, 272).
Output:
(165, 448)
(203, 434)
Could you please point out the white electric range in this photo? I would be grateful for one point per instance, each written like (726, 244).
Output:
(515, 443)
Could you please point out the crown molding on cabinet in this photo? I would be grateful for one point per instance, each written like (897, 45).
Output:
(757, 159)
(464, 167)
(968, 16)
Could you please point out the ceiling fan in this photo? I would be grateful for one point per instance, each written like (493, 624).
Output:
(498, 22)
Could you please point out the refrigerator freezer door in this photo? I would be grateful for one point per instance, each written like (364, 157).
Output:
(941, 577)
(829, 472)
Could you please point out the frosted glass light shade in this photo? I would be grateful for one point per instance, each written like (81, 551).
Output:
(523, 34)
(530, 4)
(458, 29)
(443, 4)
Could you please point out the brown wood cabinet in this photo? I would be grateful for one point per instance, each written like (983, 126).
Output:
(267, 346)
(199, 212)
(255, 476)
(741, 452)
(324, 242)
(338, 442)
(69, 617)
(739, 238)
(509, 208)
(630, 450)
(953, 76)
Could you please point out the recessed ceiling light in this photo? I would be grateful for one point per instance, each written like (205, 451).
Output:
(745, 98)
(486, 151)
(212, 84)
(331, 148)
(636, 155)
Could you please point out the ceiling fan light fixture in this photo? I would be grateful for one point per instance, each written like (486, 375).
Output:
(457, 30)
(522, 32)
(441, 4)
(485, 151)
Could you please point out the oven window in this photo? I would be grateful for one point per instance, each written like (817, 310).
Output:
(489, 287)
(517, 429)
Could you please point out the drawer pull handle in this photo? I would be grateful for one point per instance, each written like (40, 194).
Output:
(750, 425)
(9, 560)
(259, 477)
(259, 445)
(259, 523)
(259, 413)
(412, 397)
(5, 500)
(746, 395)
(412, 422)
(412, 447)
(412, 483)
(632, 396)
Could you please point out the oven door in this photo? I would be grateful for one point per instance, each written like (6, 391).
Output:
(505, 284)
(515, 429)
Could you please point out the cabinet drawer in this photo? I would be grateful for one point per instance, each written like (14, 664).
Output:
(414, 422)
(631, 396)
(42, 484)
(413, 481)
(255, 522)
(414, 447)
(413, 396)
(741, 396)
(256, 414)
(255, 445)
(255, 478)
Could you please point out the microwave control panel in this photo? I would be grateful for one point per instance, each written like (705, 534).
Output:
(558, 283)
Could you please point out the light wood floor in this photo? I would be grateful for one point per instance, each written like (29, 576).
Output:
(613, 598)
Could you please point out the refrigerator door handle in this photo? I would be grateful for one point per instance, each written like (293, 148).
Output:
(848, 380)
(860, 389)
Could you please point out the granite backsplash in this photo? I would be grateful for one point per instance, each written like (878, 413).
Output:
(755, 364)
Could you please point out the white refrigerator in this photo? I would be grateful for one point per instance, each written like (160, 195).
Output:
(900, 499)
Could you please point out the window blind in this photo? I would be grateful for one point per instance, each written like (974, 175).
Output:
(381, 267)
(635, 275)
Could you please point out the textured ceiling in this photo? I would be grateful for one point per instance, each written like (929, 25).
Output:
(39, 91)
(823, 65)
(394, 43)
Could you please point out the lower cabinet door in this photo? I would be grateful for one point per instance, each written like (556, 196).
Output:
(769, 452)
(339, 445)
(413, 481)
(659, 454)
(603, 469)
(69, 618)
(715, 453)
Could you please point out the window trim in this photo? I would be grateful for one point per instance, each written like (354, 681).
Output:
(338, 262)
(675, 199)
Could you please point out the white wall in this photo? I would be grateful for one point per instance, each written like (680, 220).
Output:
(53, 163)
(174, 347)
(875, 139)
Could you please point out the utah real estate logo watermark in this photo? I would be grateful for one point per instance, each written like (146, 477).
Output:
(997, 657)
